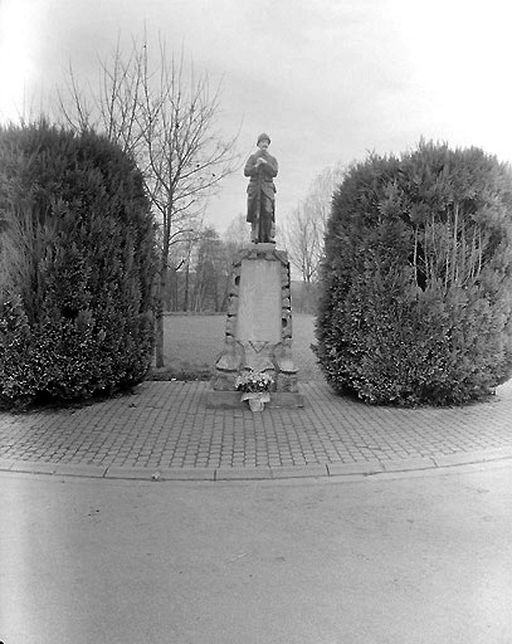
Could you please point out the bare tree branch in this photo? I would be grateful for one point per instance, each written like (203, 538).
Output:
(305, 228)
(158, 109)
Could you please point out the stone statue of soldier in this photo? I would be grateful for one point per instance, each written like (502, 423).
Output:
(261, 167)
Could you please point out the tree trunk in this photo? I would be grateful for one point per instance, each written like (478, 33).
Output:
(187, 284)
(159, 319)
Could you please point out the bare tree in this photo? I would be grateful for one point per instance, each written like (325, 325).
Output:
(210, 272)
(159, 110)
(305, 228)
(304, 241)
(237, 234)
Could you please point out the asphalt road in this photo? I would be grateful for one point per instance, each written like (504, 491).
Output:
(417, 558)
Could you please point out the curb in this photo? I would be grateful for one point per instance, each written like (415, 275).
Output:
(313, 470)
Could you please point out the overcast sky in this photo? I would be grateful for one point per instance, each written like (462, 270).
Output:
(329, 80)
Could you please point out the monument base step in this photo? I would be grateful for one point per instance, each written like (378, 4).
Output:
(232, 400)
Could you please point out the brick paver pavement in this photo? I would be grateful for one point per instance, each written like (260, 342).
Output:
(165, 431)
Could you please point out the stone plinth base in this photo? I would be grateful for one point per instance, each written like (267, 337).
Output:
(232, 400)
(258, 333)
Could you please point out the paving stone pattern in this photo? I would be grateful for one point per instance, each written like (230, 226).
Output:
(165, 429)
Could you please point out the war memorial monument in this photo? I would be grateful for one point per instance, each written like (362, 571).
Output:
(258, 335)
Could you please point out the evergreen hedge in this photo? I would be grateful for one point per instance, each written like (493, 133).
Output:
(416, 288)
(77, 266)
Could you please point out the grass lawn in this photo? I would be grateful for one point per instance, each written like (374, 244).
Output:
(192, 342)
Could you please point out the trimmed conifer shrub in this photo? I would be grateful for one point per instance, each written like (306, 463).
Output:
(77, 266)
(416, 287)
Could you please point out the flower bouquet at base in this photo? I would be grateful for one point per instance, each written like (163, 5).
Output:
(255, 387)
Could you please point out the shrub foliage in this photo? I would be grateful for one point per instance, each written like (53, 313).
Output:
(416, 297)
(77, 266)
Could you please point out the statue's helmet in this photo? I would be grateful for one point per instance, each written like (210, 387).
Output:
(263, 136)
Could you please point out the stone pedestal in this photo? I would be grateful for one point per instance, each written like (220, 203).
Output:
(259, 326)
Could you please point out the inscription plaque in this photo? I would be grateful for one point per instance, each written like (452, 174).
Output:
(259, 317)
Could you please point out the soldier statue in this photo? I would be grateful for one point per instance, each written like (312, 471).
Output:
(261, 167)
